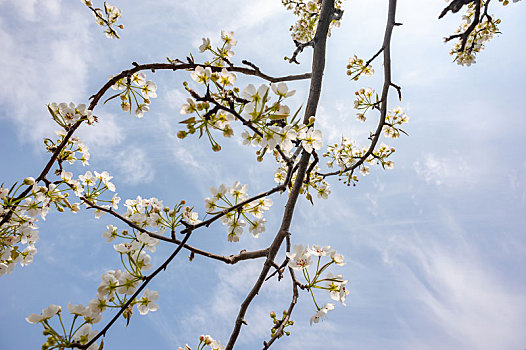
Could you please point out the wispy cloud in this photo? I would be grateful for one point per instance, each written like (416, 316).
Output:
(45, 66)
(457, 293)
(134, 165)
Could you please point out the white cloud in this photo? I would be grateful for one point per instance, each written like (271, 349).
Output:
(134, 166)
(439, 170)
(41, 65)
(455, 292)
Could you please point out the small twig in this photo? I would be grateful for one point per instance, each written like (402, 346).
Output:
(299, 49)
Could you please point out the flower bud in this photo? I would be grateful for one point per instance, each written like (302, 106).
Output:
(312, 119)
(29, 181)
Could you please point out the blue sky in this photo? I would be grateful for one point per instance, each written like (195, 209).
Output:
(434, 248)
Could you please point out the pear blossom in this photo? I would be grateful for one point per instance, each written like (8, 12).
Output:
(321, 313)
(148, 90)
(257, 226)
(138, 78)
(282, 90)
(84, 335)
(228, 37)
(127, 283)
(227, 78)
(337, 258)
(205, 45)
(141, 109)
(47, 313)
(146, 302)
(319, 250)
(201, 74)
(311, 139)
(300, 258)
(79, 310)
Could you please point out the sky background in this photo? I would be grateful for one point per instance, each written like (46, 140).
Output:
(435, 248)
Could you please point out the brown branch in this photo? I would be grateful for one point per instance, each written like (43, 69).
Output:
(299, 49)
(232, 259)
(126, 73)
(318, 65)
(147, 280)
(465, 35)
(295, 295)
(385, 91)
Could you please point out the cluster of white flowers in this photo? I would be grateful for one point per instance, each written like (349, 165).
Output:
(90, 186)
(220, 88)
(69, 151)
(221, 54)
(300, 259)
(483, 32)
(365, 99)
(113, 282)
(20, 229)
(135, 88)
(66, 115)
(205, 340)
(225, 197)
(356, 68)
(395, 118)
(315, 181)
(152, 213)
(308, 12)
(106, 18)
(346, 154)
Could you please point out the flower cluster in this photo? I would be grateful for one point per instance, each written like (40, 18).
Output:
(66, 115)
(221, 54)
(365, 99)
(117, 286)
(20, 216)
(135, 90)
(225, 197)
(214, 111)
(313, 181)
(70, 149)
(308, 12)
(90, 186)
(82, 334)
(300, 259)
(205, 340)
(113, 282)
(106, 18)
(346, 154)
(356, 68)
(204, 117)
(152, 213)
(278, 322)
(484, 31)
(394, 118)
(270, 119)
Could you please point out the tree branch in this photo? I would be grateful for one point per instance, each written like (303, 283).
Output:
(385, 91)
(318, 65)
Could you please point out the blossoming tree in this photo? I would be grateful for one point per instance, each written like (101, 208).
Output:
(216, 107)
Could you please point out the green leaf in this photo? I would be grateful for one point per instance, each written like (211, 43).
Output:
(190, 120)
(112, 97)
